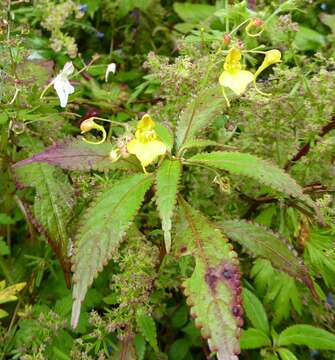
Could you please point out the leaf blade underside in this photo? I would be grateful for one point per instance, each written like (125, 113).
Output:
(254, 167)
(75, 154)
(54, 201)
(213, 291)
(102, 229)
(266, 244)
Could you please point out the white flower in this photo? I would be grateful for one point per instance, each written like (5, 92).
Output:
(110, 68)
(62, 85)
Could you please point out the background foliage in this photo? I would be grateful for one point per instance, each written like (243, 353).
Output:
(258, 176)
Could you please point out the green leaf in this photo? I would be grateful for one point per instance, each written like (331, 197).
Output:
(258, 169)
(286, 354)
(76, 154)
(179, 349)
(308, 39)
(328, 20)
(6, 219)
(140, 346)
(200, 113)
(319, 254)
(4, 249)
(101, 231)
(3, 118)
(54, 202)
(167, 179)
(254, 339)
(310, 336)
(193, 13)
(199, 143)
(180, 317)
(165, 135)
(264, 243)
(255, 311)
(213, 290)
(147, 328)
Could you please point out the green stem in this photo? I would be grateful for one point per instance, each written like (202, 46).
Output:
(227, 15)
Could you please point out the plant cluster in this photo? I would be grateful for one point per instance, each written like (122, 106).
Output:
(167, 180)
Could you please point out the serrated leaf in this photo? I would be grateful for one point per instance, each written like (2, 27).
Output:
(264, 243)
(140, 346)
(199, 113)
(252, 166)
(147, 328)
(54, 202)
(76, 154)
(255, 312)
(101, 231)
(286, 354)
(199, 143)
(213, 291)
(310, 336)
(165, 135)
(167, 180)
(254, 339)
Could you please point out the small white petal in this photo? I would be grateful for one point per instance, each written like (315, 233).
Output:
(63, 89)
(111, 68)
(62, 85)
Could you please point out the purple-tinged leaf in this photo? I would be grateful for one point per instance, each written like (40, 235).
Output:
(264, 243)
(75, 154)
(214, 289)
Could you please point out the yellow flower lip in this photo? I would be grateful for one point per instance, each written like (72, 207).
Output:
(233, 77)
(145, 146)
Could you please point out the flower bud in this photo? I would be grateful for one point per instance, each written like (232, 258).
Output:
(257, 22)
(226, 39)
(87, 125)
(272, 57)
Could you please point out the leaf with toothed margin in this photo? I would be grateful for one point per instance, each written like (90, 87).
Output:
(76, 154)
(167, 179)
(101, 231)
(266, 244)
(213, 291)
(200, 113)
(54, 201)
(256, 168)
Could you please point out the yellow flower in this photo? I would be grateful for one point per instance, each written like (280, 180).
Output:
(145, 146)
(233, 77)
(237, 79)
(271, 57)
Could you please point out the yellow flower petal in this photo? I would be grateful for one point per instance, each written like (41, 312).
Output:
(233, 60)
(146, 123)
(237, 81)
(147, 152)
(271, 57)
